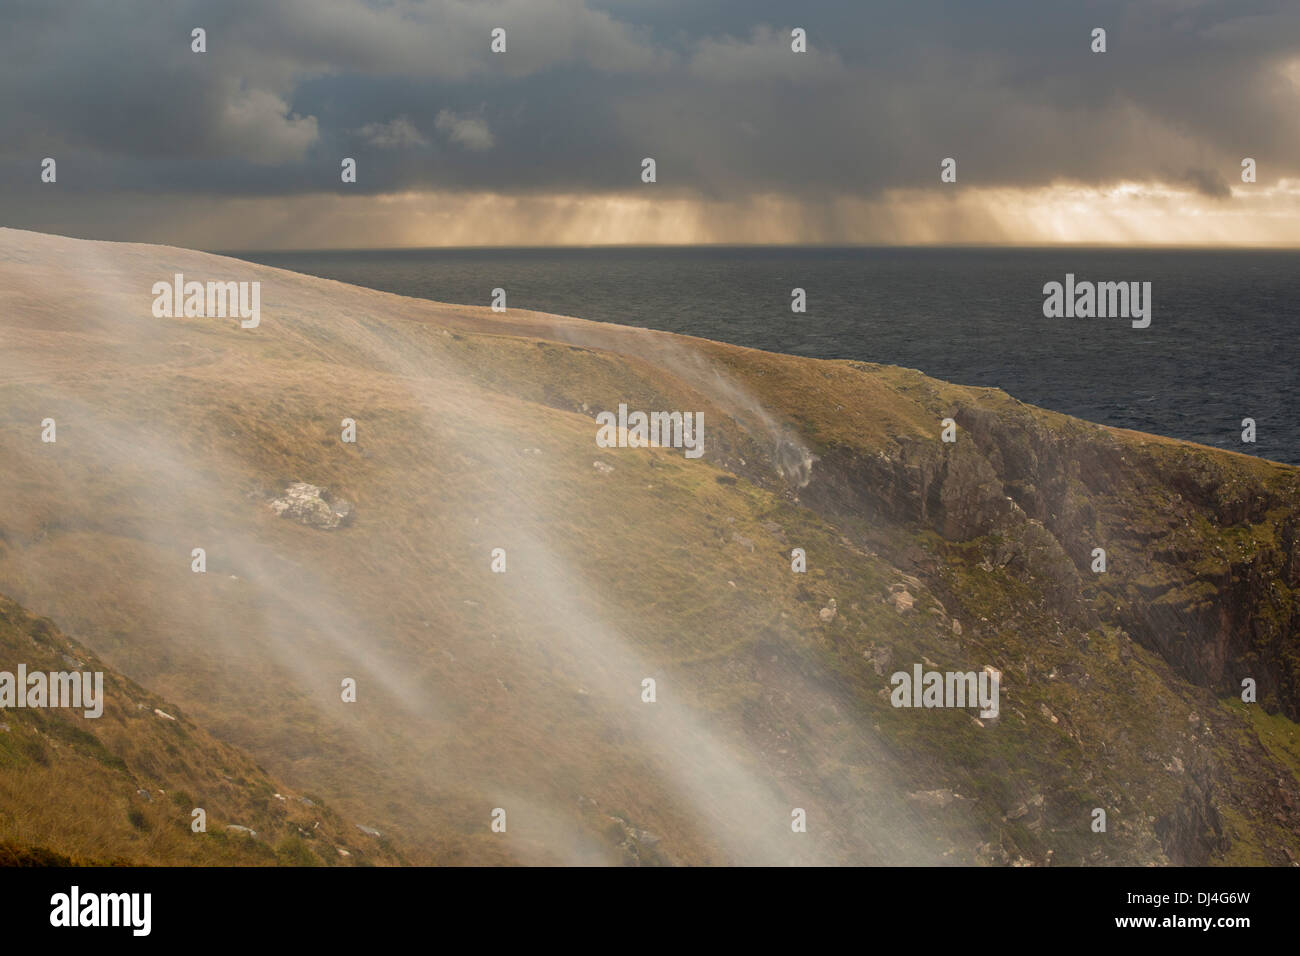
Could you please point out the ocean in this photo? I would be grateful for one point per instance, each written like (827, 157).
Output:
(1222, 344)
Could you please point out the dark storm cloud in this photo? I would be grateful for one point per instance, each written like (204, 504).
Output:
(1206, 182)
(712, 91)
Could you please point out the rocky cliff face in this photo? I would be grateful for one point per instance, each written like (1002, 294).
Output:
(1201, 546)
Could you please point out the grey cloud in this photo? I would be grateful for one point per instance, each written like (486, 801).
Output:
(469, 131)
(397, 133)
(586, 90)
(1207, 182)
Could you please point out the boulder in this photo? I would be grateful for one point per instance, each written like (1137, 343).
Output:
(309, 505)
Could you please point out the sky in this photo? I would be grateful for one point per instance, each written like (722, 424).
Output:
(241, 146)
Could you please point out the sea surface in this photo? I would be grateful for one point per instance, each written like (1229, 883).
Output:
(1223, 344)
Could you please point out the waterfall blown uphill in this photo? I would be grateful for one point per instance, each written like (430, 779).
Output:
(380, 545)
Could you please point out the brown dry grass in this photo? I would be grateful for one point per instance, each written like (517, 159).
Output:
(172, 433)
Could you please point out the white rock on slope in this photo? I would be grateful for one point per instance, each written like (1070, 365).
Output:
(304, 503)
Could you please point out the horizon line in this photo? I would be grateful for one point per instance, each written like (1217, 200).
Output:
(992, 246)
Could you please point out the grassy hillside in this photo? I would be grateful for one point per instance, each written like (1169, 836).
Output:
(121, 788)
(523, 690)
